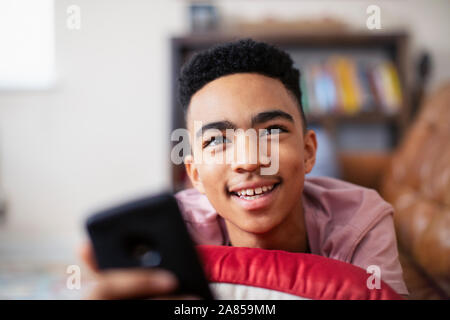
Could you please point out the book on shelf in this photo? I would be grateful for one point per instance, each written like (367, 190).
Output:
(342, 85)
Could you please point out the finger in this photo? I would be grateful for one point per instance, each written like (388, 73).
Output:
(86, 253)
(133, 284)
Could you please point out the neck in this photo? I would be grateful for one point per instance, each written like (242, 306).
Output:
(290, 235)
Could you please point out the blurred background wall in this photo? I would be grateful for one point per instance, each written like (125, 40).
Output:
(100, 134)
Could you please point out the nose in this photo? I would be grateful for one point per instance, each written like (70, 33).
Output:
(245, 167)
(246, 155)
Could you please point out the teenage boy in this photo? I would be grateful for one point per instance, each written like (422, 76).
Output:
(247, 85)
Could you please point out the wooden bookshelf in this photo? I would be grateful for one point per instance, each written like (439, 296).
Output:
(394, 45)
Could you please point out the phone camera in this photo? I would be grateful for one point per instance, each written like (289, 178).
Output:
(147, 256)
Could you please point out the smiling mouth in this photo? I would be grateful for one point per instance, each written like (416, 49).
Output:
(256, 193)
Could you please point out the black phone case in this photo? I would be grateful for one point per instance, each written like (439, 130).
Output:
(148, 232)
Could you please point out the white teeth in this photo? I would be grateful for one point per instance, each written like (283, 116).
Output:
(249, 193)
(253, 197)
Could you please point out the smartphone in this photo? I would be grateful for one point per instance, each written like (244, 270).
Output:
(148, 233)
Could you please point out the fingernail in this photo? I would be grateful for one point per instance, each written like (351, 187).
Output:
(164, 279)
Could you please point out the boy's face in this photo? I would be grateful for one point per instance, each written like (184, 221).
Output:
(247, 101)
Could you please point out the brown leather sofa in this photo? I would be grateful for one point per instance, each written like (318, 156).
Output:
(417, 184)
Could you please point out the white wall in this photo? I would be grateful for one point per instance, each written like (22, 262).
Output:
(101, 134)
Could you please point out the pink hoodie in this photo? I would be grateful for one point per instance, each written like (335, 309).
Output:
(343, 221)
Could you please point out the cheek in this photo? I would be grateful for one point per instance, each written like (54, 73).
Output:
(212, 176)
(292, 168)
(292, 159)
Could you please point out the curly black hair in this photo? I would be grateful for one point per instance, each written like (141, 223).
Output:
(242, 56)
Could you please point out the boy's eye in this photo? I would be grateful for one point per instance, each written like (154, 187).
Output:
(214, 141)
(275, 129)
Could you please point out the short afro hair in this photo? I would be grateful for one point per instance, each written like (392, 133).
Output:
(242, 56)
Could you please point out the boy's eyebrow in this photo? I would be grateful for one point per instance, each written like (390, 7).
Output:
(270, 115)
(257, 119)
(219, 125)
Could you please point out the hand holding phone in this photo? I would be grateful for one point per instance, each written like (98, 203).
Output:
(147, 234)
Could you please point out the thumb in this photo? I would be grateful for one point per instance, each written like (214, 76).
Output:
(86, 253)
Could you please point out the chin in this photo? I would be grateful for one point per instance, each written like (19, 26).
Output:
(258, 228)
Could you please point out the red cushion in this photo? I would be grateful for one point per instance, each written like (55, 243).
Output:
(300, 274)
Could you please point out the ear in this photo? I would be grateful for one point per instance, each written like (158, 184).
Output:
(310, 148)
(193, 173)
